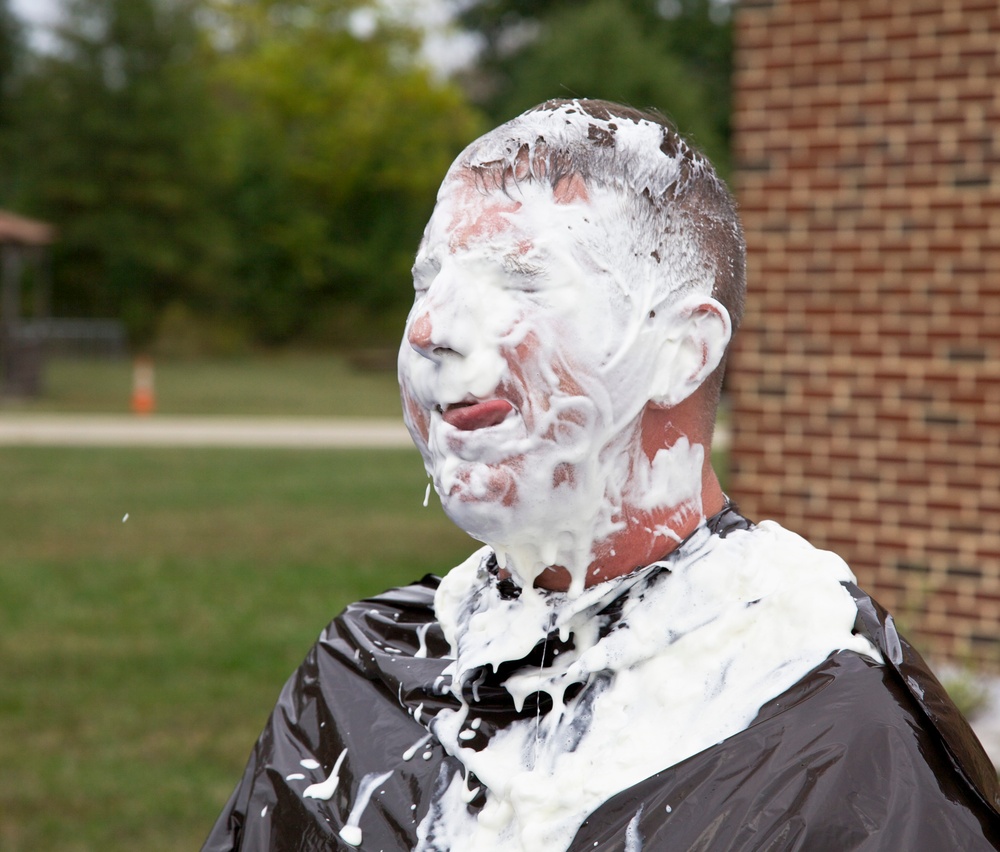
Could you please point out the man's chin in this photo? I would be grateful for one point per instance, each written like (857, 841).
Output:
(482, 521)
(482, 504)
(492, 488)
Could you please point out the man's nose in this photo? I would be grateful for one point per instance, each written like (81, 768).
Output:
(421, 333)
(428, 334)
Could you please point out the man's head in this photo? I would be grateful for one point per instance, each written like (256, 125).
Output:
(561, 366)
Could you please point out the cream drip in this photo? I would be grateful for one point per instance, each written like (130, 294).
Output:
(326, 789)
(351, 832)
(699, 648)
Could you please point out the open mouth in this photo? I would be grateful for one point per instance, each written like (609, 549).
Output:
(469, 416)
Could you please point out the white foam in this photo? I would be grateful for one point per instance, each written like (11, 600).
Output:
(594, 326)
(699, 650)
(351, 832)
(413, 749)
(633, 837)
(327, 788)
(422, 637)
(545, 304)
(351, 835)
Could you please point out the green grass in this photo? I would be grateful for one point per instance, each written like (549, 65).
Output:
(139, 660)
(277, 384)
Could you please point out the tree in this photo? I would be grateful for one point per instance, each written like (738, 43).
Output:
(340, 139)
(674, 56)
(11, 50)
(264, 163)
(118, 142)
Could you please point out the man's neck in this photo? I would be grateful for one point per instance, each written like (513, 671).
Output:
(643, 540)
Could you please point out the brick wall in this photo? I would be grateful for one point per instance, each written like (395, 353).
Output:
(865, 384)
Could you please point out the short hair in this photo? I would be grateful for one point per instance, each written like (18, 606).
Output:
(671, 195)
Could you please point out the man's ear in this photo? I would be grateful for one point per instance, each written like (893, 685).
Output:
(695, 334)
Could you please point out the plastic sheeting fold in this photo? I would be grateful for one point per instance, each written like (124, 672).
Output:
(856, 756)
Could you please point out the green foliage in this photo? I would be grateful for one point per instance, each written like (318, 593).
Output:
(339, 143)
(674, 57)
(117, 149)
(10, 52)
(231, 172)
(968, 689)
(260, 163)
(182, 333)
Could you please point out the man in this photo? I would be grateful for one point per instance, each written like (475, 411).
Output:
(628, 663)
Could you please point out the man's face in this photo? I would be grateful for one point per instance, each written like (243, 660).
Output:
(512, 368)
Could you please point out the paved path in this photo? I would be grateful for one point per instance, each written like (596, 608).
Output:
(127, 430)
(164, 431)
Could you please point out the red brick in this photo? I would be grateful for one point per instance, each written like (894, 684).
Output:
(865, 381)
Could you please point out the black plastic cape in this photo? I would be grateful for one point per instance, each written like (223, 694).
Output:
(854, 756)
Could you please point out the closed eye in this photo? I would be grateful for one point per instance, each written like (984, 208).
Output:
(521, 273)
(424, 271)
(522, 268)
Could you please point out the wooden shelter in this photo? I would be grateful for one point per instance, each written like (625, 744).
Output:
(27, 232)
(23, 243)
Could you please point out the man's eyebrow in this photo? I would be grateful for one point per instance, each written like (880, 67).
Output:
(517, 264)
(426, 265)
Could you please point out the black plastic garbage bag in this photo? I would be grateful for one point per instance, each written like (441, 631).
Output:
(855, 756)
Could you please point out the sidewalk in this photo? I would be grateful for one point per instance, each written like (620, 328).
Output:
(128, 430)
(169, 431)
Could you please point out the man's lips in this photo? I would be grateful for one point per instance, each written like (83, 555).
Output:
(468, 416)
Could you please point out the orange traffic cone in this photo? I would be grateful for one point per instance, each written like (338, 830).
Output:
(143, 397)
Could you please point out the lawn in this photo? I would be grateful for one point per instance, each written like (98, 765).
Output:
(139, 658)
(289, 384)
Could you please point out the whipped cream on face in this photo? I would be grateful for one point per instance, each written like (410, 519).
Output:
(536, 340)
(563, 313)
(701, 641)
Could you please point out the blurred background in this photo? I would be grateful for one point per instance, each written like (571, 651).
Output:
(229, 174)
(233, 191)
(208, 212)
